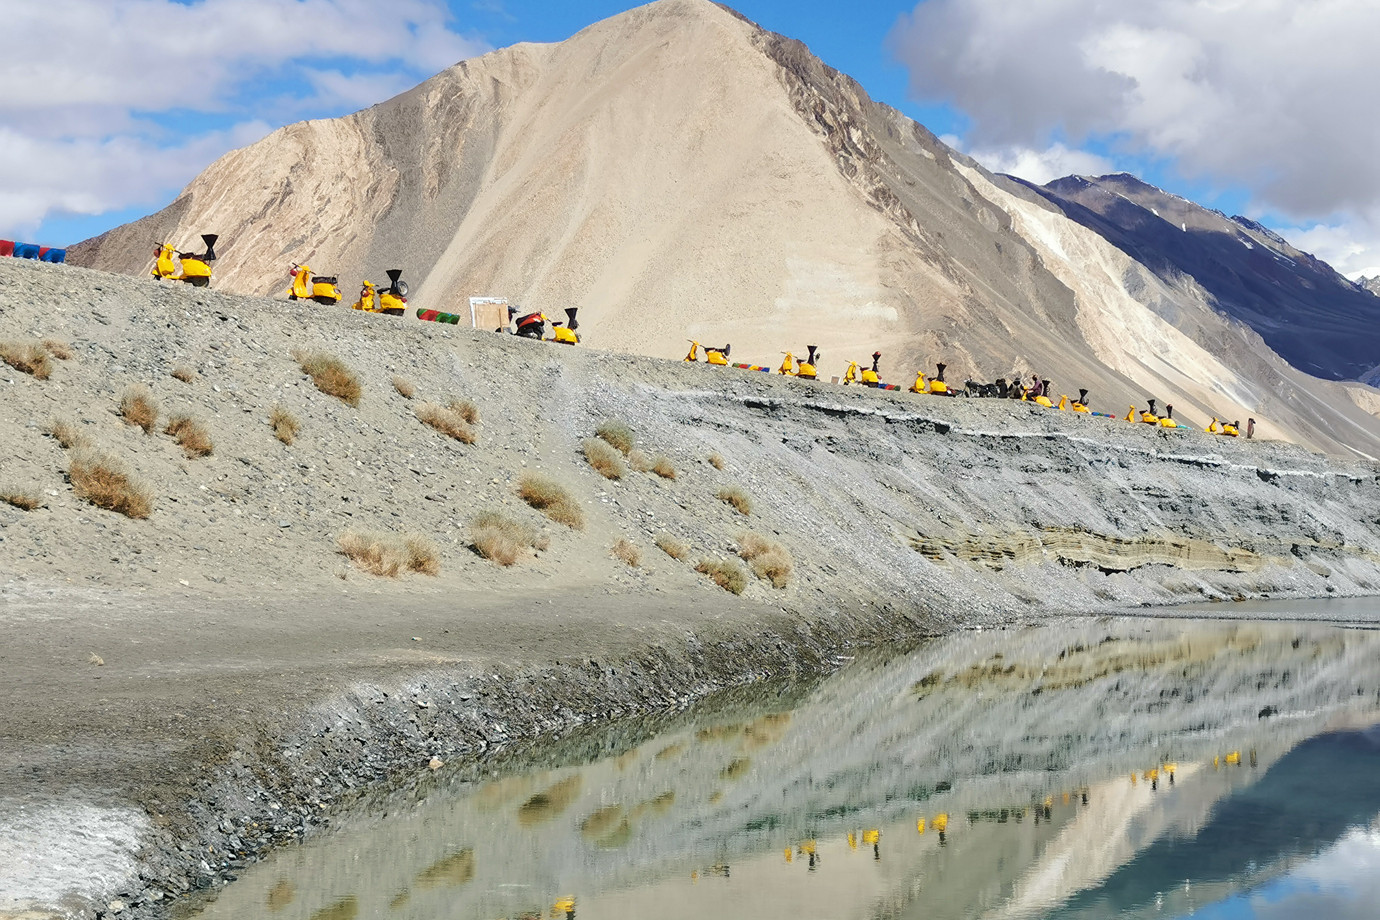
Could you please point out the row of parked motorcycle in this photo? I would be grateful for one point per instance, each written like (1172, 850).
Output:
(194, 268)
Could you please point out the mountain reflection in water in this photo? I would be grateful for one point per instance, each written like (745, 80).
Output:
(1087, 769)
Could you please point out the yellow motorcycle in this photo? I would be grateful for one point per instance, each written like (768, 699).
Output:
(195, 268)
(806, 368)
(716, 356)
(318, 288)
(1229, 429)
(935, 387)
(392, 300)
(564, 334)
(368, 298)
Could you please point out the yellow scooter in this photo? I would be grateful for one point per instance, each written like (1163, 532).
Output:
(806, 369)
(935, 387)
(195, 267)
(565, 334)
(716, 356)
(392, 300)
(306, 286)
(165, 269)
(368, 298)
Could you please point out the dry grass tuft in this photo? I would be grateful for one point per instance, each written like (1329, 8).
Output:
(422, 555)
(663, 468)
(676, 549)
(58, 349)
(603, 458)
(331, 375)
(404, 387)
(285, 425)
(101, 480)
(184, 373)
(375, 553)
(628, 552)
(769, 560)
(67, 434)
(446, 421)
(388, 556)
(502, 539)
(639, 461)
(28, 357)
(725, 573)
(616, 433)
(550, 498)
(732, 495)
(138, 407)
(466, 410)
(24, 501)
(190, 435)
(716, 460)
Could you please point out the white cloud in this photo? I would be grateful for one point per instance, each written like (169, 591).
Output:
(41, 176)
(83, 77)
(356, 91)
(1352, 248)
(1275, 96)
(1040, 166)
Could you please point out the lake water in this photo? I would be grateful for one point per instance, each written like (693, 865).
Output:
(1092, 769)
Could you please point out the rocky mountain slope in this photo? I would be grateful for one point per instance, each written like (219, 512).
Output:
(676, 172)
(883, 499)
(1302, 308)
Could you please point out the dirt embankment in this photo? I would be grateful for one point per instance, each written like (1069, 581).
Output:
(220, 669)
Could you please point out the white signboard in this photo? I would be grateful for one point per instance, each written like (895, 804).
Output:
(489, 313)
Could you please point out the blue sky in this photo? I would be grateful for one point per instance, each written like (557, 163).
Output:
(1258, 107)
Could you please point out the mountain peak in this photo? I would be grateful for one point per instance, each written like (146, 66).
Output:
(677, 172)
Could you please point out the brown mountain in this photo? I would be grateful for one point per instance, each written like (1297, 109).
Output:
(676, 171)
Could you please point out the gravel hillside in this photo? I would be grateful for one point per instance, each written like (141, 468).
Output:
(1011, 507)
(220, 656)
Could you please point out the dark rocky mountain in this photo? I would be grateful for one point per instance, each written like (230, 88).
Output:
(1316, 319)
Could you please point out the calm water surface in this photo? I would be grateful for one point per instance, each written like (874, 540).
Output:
(1110, 768)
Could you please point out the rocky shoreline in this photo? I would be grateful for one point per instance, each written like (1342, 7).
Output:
(378, 740)
(385, 744)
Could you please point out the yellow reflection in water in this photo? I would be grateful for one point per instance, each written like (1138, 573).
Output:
(548, 804)
(455, 869)
(280, 895)
(346, 908)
